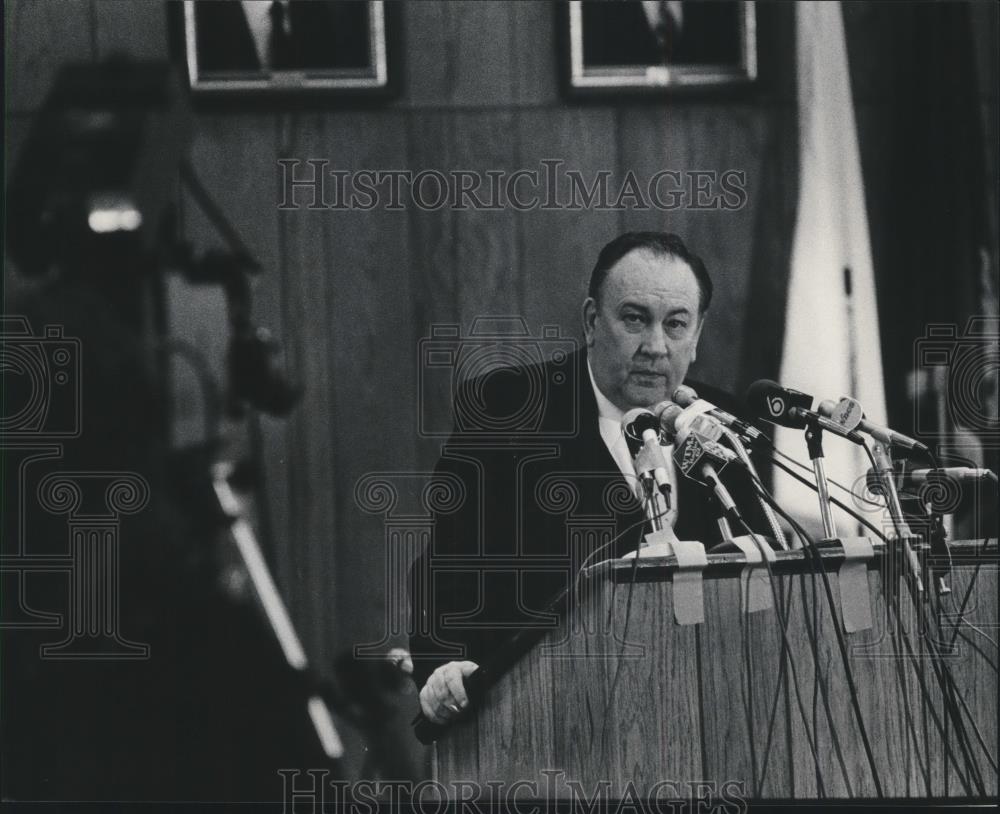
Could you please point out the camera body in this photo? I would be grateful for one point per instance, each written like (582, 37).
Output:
(460, 367)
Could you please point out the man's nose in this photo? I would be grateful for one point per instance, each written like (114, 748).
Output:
(654, 341)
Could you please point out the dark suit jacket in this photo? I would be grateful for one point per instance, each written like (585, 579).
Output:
(539, 496)
(324, 35)
(619, 34)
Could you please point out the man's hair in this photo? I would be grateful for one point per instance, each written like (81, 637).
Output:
(660, 243)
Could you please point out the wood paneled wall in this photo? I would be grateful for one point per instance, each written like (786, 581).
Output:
(350, 294)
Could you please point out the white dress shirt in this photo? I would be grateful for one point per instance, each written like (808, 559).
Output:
(610, 424)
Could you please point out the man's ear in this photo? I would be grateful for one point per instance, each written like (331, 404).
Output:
(697, 336)
(589, 313)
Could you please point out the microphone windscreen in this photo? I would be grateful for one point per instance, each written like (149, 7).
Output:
(847, 412)
(826, 407)
(668, 418)
(769, 400)
(685, 395)
(634, 423)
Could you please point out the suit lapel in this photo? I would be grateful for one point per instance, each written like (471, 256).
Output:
(591, 454)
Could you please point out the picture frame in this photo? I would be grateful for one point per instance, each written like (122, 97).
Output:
(642, 47)
(232, 50)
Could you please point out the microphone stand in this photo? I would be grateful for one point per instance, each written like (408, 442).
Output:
(814, 441)
(768, 512)
(884, 472)
(724, 528)
(655, 502)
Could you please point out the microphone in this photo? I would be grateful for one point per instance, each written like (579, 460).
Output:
(687, 397)
(676, 423)
(791, 408)
(848, 413)
(666, 413)
(642, 433)
(697, 457)
(958, 473)
(635, 424)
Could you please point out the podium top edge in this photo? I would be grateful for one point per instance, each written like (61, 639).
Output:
(960, 553)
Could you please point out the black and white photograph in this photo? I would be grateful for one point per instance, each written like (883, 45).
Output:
(660, 44)
(501, 406)
(284, 46)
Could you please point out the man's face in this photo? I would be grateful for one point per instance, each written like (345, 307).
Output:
(642, 335)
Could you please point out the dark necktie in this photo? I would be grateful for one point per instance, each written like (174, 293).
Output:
(280, 45)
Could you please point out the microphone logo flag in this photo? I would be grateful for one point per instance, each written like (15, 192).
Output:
(692, 452)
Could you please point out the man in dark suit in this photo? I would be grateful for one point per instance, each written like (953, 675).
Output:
(557, 471)
(661, 32)
(274, 35)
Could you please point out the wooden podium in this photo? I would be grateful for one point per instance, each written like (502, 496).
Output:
(717, 701)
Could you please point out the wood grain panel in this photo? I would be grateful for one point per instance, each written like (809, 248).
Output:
(487, 256)
(39, 38)
(459, 54)
(138, 29)
(370, 325)
(701, 707)
(559, 246)
(516, 729)
(729, 690)
(433, 232)
(459, 761)
(534, 55)
(657, 700)
(304, 245)
(699, 139)
(816, 715)
(582, 667)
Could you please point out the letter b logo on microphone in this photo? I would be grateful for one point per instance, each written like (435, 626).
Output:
(776, 406)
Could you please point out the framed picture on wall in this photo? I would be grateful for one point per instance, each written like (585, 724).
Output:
(291, 48)
(649, 45)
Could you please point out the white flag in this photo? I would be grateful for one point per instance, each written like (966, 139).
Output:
(831, 345)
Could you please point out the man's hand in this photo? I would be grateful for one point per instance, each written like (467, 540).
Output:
(443, 696)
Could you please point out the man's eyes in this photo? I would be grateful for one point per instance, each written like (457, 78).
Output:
(633, 319)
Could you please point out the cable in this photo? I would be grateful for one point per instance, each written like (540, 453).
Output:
(944, 678)
(941, 670)
(783, 625)
(965, 601)
(612, 541)
(734, 442)
(819, 688)
(810, 546)
(621, 652)
(838, 484)
(777, 693)
(833, 500)
(953, 713)
(823, 694)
